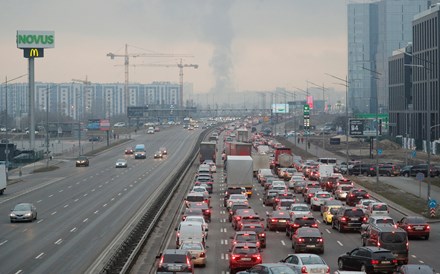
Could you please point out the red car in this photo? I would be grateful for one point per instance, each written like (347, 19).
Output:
(243, 256)
(415, 226)
(129, 150)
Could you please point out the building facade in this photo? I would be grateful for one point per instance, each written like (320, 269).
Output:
(375, 30)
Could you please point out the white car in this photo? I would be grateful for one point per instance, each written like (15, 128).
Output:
(198, 219)
(236, 198)
(319, 198)
(306, 263)
(363, 203)
(201, 189)
(377, 209)
(150, 130)
(121, 163)
(299, 210)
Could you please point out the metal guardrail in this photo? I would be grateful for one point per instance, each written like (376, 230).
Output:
(125, 255)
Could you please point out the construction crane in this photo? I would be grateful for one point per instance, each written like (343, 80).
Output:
(127, 56)
(180, 66)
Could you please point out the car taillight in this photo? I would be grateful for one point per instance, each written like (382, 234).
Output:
(274, 220)
(407, 245)
(234, 242)
(237, 218)
(303, 269)
(409, 227)
(161, 261)
(178, 234)
(320, 240)
(188, 262)
(257, 257)
(374, 261)
(310, 195)
(314, 225)
(207, 211)
(300, 240)
(367, 195)
(365, 219)
(295, 225)
(343, 219)
(262, 235)
(351, 195)
(328, 270)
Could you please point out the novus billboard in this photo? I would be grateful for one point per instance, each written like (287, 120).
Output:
(35, 39)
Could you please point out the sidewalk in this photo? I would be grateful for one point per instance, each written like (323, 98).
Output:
(320, 152)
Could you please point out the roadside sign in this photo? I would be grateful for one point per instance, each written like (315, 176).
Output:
(379, 151)
(413, 154)
(356, 127)
(420, 176)
(432, 203)
(432, 212)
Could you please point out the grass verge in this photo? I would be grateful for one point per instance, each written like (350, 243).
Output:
(407, 200)
(44, 169)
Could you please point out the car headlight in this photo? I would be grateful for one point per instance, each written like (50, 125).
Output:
(12, 215)
(28, 214)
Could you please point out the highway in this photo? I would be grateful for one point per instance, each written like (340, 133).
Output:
(82, 210)
(279, 245)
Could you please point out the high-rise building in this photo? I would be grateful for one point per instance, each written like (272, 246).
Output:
(375, 30)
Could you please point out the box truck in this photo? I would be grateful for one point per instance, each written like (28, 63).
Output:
(239, 172)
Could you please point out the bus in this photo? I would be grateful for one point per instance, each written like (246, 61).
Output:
(327, 161)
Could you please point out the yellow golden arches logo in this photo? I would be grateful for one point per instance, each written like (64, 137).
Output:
(33, 53)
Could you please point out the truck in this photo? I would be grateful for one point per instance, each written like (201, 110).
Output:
(239, 172)
(207, 151)
(261, 161)
(286, 161)
(242, 135)
(325, 170)
(3, 179)
(238, 148)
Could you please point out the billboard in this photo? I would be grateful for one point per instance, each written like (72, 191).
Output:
(310, 101)
(98, 124)
(35, 39)
(365, 127)
(280, 108)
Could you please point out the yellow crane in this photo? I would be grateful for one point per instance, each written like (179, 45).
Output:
(127, 56)
(180, 66)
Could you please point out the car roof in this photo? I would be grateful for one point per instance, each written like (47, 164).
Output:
(245, 232)
(175, 251)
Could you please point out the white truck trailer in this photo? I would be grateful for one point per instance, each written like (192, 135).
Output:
(239, 172)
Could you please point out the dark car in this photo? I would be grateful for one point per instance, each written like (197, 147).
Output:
(308, 239)
(368, 259)
(405, 171)
(235, 207)
(415, 226)
(359, 169)
(129, 150)
(414, 269)
(23, 212)
(82, 161)
(95, 139)
(232, 190)
(240, 214)
(245, 237)
(269, 197)
(259, 229)
(348, 218)
(296, 222)
(175, 261)
(277, 220)
(355, 195)
(243, 256)
(423, 168)
(204, 207)
(328, 184)
(272, 268)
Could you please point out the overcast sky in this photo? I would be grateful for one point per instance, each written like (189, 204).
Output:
(238, 44)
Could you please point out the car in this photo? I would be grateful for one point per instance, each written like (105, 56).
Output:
(258, 228)
(284, 204)
(298, 186)
(270, 268)
(235, 207)
(356, 194)
(82, 161)
(197, 251)
(414, 269)
(318, 200)
(240, 214)
(341, 191)
(296, 222)
(156, 129)
(243, 256)
(164, 150)
(423, 168)
(212, 166)
(363, 203)
(236, 198)
(191, 212)
(204, 207)
(233, 190)
(415, 226)
(121, 163)
(245, 237)
(158, 154)
(368, 259)
(327, 215)
(378, 220)
(329, 183)
(299, 210)
(348, 218)
(306, 263)
(359, 169)
(23, 212)
(405, 171)
(308, 239)
(377, 209)
(95, 139)
(277, 220)
(269, 197)
(328, 203)
(175, 260)
(198, 219)
(310, 193)
(150, 130)
(129, 150)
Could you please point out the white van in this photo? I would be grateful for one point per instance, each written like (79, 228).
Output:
(3, 180)
(190, 231)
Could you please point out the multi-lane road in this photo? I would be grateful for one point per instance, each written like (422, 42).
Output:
(279, 245)
(81, 211)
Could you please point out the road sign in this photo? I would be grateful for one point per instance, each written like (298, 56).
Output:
(356, 127)
(420, 176)
(413, 154)
(432, 203)
(432, 212)
(379, 151)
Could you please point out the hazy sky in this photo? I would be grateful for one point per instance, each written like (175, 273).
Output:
(238, 44)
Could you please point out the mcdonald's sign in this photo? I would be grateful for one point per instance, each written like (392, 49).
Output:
(33, 53)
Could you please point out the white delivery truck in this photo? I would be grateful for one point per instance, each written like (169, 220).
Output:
(325, 170)
(261, 161)
(3, 178)
(239, 172)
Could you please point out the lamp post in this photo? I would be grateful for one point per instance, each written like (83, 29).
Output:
(323, 110)
(306, 92)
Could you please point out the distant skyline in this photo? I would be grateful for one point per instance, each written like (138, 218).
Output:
(239, 45)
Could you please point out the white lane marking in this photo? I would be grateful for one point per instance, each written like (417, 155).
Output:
(224, 220)
(66, 206)
(18, 272)
(39, 201)
(53, 213)
(93, 190)
(119, 194)
(125, 189)
(91, 177)
(104, 205)
(85, 220)
(283, 243)
(112, 199)
(224, 230)
(50, 195)
(60, 190)
(96, 212)
(24, 230)
(76, 200)
(261, 199)
(58, 242)
(39, 255)
(422, 262)
(100, 186)
(69, 187)
(73, 229)
(85, 194)
(414, 256)
(318, 221)
(77, 183)
(226, 242)
(39, 221)
(84, 180)
(222, 256)
(339, 243)
(4, 242)
(328, 231)
(258, 194)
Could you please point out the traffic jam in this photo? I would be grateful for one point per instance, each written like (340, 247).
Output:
(269, 211)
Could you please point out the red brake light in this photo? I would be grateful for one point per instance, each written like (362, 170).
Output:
(315, 225)
(303, 269)
(409, 227)
(367, 195)
(202, 254)
(262, 234)
(300, 240)
(161, 261)
(374, 261)
(428, 227)
(274, 220)
(234, 257)
(188, 262)
(320, 240)
(343, 219)
(395, 261)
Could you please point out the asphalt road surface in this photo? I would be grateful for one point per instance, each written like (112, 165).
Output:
(82, 210)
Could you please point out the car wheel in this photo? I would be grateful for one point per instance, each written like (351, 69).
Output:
(232, 271)
(363, 268)
(340, 264)
(35, 216)
(12, 221)
(340, 228)
(389, 174)
(427, 237)
(333, 225)
(296, 249)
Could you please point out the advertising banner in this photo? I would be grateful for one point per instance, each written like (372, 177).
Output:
(280, 108)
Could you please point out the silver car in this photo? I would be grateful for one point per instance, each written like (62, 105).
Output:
(121, 163)
(23, 212)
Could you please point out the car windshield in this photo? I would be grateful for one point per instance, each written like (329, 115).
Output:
(22, 207)
(346, 188)
(323, 195)
(121, 160)
(191, 198)
(255, 228)
(237, 197)
(191, 246)
(246, 238)
(245, 250)
(333, 211)
(309, 233)
(174, 258)
(192, 219)
(416, 220)
(311, 260)
(286, 203)
(354, 213)
(381, 207)
(385, 221)
(300, 208)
